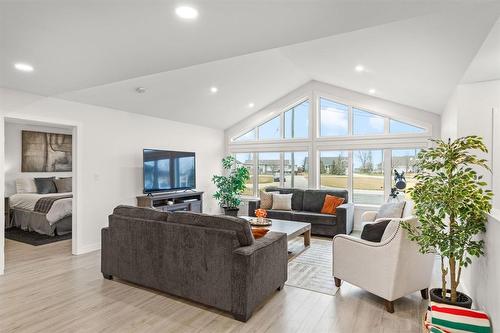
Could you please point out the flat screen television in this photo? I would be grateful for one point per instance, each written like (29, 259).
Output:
(165, 170)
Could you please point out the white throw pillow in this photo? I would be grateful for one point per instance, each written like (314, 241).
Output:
(391, 210)
(266, 199)
(282, 201)
(25, 185)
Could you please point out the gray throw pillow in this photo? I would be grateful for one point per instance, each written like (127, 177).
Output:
(64, 185)
(45, 185)
(391, 210)
(282, 201)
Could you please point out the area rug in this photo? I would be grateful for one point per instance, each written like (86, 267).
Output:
(32, 237)
(311, 268)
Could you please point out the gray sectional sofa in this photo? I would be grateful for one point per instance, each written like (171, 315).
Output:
(306, 207)
(213, 260)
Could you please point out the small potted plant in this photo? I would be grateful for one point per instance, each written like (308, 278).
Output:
(230, 187)
(451, 203)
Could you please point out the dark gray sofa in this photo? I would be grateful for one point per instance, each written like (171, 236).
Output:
(213, 260)
(306, 207)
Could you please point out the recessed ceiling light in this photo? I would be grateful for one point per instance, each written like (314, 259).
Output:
(251, 105)
(23, 67)
(140, 90)
(359, 68)
(186, 12)
(213, 90)
(372, 91)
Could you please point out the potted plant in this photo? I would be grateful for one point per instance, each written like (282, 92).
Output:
(451, 203)
(231, 186)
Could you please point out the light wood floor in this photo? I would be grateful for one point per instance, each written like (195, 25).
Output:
(46, 289)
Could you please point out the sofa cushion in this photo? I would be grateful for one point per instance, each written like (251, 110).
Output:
(314, 199)
(280, 214)
(141, 213)
(314, 218)
(282, 201)
(239, 225)
(373, 232)
(331, 203)
(297, 197)
(266, 199)
(391, 210)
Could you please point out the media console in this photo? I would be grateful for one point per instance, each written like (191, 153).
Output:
(191, 201)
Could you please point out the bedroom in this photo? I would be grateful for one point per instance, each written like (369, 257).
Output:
(38, 182)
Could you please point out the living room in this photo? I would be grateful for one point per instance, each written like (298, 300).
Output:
(311, 99)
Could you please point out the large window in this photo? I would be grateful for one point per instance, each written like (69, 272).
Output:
(334, 169)
(297, 121)
(368, 176)
(269, 169)
(334, 118)
(248, 136)
(366, 123)
(400, 127)
(296, 169)
(404, 160)
(349, 146)
(246, 159)
(270, 130)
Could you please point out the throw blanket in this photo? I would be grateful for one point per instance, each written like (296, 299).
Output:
(43, 205)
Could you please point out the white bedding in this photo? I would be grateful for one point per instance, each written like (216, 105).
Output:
(60, 209)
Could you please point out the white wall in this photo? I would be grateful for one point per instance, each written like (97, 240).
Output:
(469, 112)
(111, 144)
(13, 149)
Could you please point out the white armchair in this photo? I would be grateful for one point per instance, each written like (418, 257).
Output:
(390, 269)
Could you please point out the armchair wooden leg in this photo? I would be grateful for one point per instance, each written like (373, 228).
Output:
(389, 306)
(425, 293)
(338, 282)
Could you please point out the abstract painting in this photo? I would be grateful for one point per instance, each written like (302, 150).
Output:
(46, 152)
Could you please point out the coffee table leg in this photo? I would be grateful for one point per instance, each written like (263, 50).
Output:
(307, 238)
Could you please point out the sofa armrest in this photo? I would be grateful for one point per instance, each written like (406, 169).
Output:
(258, 270)
(345, 218)
(253, 204)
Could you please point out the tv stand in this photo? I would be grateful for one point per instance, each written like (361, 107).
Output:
(173, 201)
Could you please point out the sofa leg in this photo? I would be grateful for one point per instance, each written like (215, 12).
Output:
(241, 317)
(107, 276)
(425, 293)
(338, 282)
(389, 306)
(281, 287)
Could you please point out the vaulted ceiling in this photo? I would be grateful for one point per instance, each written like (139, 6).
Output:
(252, 51)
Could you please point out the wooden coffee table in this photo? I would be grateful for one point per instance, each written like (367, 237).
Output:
(292, 229)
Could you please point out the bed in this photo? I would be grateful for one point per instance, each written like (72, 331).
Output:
(49, 214)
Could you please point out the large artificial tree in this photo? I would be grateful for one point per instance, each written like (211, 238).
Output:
(451, 203)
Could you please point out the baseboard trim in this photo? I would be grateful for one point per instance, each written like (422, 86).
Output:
(88, 248)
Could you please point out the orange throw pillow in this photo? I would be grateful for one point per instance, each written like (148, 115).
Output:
(259, 232)
(331, 203)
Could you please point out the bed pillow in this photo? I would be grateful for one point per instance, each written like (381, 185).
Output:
(63, 185)
(45, 185)
(25, 185)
